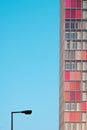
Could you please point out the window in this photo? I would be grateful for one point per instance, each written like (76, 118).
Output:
(67, 35)
(78, 65)
(79, 45)
(84, 97)
(71, 36)
(78, 126)
(73, 45)
(83, 117)
(84, 86)
(67, 45)
(78, 55)
(78, 106)
(84, 25)
(72, 25)
(69, 55)
(73, 107)
(84, 66)
(83, 126)
(84, 76)
(84, 45)
(85, 14)
(73, 66)
(84, 35)
(67, 65)
(79, 36)
(67, 126)
(72, 126)
(67, 25)
(67, 106)
(84, 4)
(78, 25)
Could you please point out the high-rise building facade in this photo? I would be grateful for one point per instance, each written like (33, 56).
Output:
(73, 65)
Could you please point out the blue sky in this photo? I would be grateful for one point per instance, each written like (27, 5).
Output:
(29, 69)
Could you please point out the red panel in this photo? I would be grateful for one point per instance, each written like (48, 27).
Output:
(67, 3)
(77, 96)
(73, 13)
(75, 116)
(79, 3)
(67, 75)
(67, 13)
(77, 86)
(78, 13)
(72, 116)
(83, 106)
(73, 3)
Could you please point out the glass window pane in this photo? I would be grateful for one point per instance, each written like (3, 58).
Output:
(85, 4)
(84, 25)
(84, 14)
(67, 25)
(78, 65)
(83, 126)
(85, 45)
(84, 97)
(83, 117)
(67, 106)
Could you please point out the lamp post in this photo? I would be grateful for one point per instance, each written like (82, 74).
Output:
(27, 112)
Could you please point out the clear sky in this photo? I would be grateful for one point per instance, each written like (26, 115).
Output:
(29, 63)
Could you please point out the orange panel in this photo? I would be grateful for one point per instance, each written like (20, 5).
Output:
(66, 116)
(72, 86)
(66, 86)
(77, 116)
(67, 96)
(84, 55)
(78, 75)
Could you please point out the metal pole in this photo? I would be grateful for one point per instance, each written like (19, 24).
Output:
(11, 120)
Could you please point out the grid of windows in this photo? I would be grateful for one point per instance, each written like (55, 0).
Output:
(75, 74)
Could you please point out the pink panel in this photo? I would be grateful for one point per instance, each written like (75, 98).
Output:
(66, 117)
(72, 75)
(73, 14)
(73, 3)
(67, 4)
(67, 13)
(83, 106)
(67, 75)
(66, 86)
(79, 3)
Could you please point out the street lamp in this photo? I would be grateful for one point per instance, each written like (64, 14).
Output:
(27, 112)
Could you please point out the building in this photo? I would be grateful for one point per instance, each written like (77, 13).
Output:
(73, 65)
